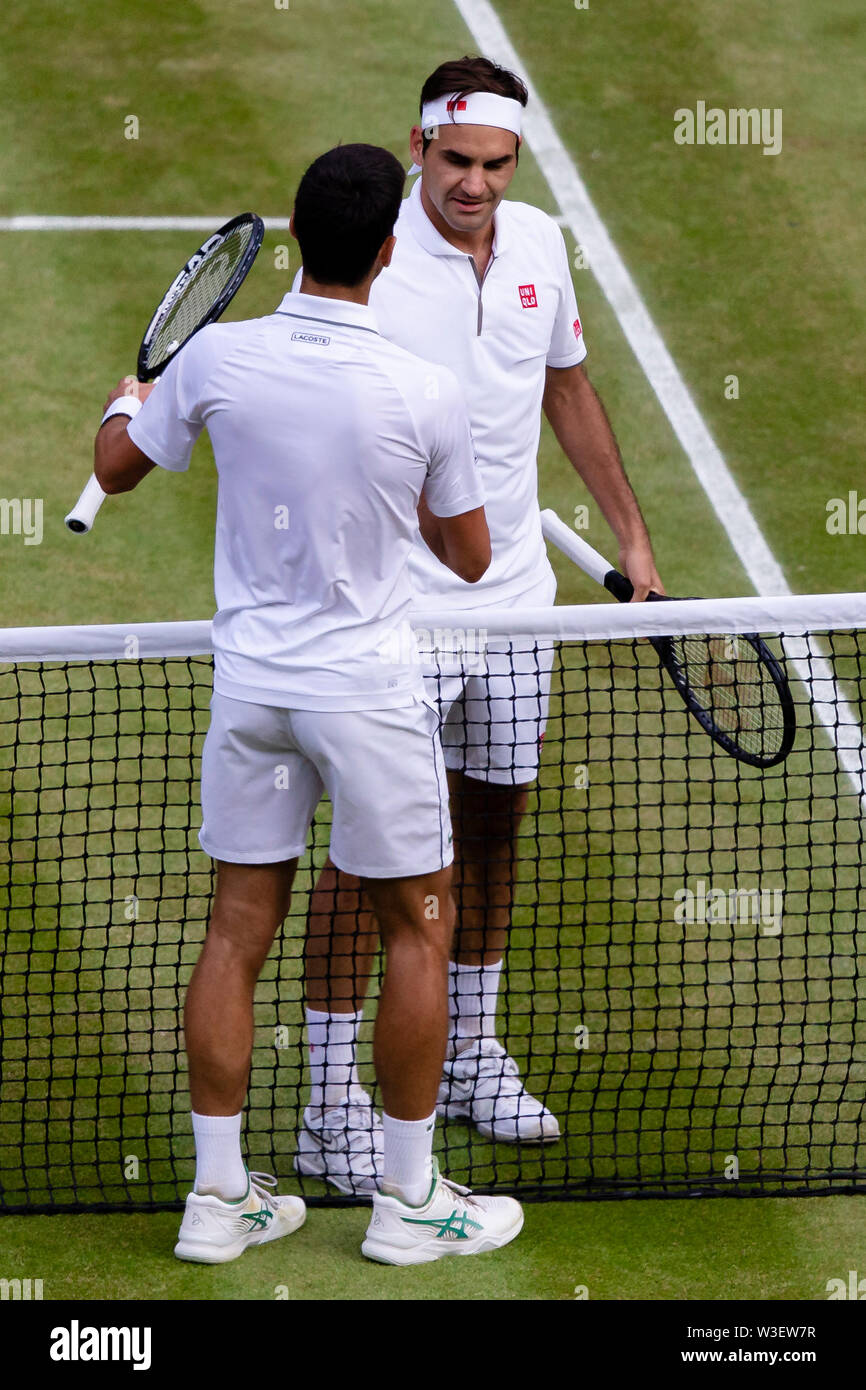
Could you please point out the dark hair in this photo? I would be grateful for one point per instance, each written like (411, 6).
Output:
(346, 206)
(464, 76)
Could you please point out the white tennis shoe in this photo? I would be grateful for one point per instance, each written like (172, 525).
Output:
(451, 1222)
(213, 1231)
(343, 1145)
(482, 1084)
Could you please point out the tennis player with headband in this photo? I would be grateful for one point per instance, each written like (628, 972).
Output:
(483, 286)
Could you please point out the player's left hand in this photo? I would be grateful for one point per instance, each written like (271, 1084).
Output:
(637, 564)
(130, 386)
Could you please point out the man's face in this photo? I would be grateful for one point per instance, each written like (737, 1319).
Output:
(467, 170)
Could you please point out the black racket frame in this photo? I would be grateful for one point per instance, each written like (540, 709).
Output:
(622, 589)
(147, 371)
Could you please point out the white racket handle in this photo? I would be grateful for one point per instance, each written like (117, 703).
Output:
(576, 549)
(83, 514)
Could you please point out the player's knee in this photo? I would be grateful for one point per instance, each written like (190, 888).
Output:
(241, 938)
(425, 915)
(432, 936)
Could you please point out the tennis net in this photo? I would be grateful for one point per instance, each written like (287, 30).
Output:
(684, 986)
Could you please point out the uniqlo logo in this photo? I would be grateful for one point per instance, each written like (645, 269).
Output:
(527, 297)
(577, 328)
(456, 106)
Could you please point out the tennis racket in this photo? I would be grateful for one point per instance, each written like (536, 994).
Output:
(733, 685)
(198, 295)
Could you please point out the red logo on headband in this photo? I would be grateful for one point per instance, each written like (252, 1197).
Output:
(454, 105)
(527, 296)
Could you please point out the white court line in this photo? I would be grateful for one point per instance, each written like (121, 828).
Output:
(581, 218)
(125, 224)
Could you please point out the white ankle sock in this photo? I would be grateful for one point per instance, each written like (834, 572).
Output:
(472, 994)
(407, 1161)
(332, 1041)
(219, 1165)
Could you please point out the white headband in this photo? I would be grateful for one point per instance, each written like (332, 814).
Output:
(478, 108)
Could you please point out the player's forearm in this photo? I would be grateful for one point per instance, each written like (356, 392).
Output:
(117, 464)
(583, 430)
(462, 542)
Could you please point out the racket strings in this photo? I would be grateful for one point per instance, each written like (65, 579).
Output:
(735, 689)
(194, 302)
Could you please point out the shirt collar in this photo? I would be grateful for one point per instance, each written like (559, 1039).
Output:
(432, 240)
(342, 311)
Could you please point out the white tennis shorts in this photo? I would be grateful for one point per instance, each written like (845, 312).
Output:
(265, 769)
(494, 701)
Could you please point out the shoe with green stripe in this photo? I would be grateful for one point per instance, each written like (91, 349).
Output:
(451, 1222)
(213, 1231)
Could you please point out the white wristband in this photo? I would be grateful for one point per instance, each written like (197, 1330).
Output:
(124, 405)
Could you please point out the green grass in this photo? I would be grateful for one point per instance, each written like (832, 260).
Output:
(749, 265)
(782, 1249)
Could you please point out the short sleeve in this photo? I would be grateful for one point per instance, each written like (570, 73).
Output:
(453, 483)
(170, 421)
(567, 346)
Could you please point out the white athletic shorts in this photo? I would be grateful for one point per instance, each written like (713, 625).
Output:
(494, 701)
(265, 769)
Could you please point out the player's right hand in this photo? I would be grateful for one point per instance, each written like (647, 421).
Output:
(129, 386)
(637, 564)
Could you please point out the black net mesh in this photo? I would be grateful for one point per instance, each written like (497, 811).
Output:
(684, 986)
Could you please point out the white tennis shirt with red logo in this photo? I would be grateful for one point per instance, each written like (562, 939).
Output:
(498, 336)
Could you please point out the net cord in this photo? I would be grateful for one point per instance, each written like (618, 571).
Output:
(792, 615)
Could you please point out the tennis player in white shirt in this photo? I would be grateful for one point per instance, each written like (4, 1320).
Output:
(324, 434)
(482, 285)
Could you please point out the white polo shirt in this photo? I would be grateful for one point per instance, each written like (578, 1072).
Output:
(498, 337)
(324, 434)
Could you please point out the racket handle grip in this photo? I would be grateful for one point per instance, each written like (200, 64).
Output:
(83, 514)
(617, 584)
